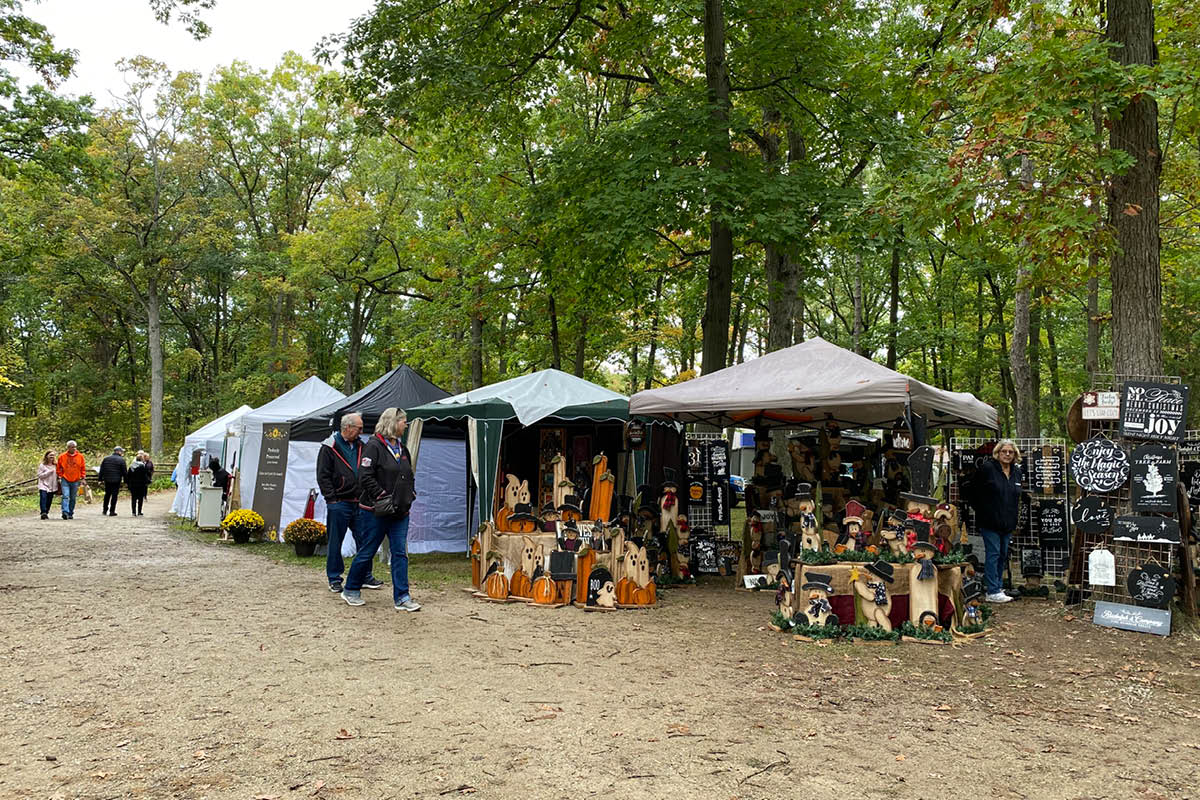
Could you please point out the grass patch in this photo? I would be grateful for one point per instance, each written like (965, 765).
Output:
(425, 570)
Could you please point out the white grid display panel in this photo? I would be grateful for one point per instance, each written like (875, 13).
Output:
(1055, 560)
(700, 515)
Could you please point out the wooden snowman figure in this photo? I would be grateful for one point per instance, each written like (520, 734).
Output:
(874, 598)
(818, 611)
(785, 598)
(851, 527)
(810, 537)
(893, 532)
(943, 527)
(922, 579)
(919, 503)
(972, 595)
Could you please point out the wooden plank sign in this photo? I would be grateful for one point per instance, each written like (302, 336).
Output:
(1162, 530)
(1132, 618)
(1155, 477)
(1101, 405)
(1099, 465)
(1156, 411)
(1047, 469)
(1052, 525)
(718, 458)
(1092, 515)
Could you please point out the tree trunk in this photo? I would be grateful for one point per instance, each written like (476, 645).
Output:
(894, 299)
(1055, 385)
(477, 339)
(1035, 360)
(581, 347)
(354, 346)
(720, 261)
(555, 344)
(1133, 203)
(1093, 322)
(502, 348)
(977, 380)
(154, 340)
(1022, 374)
(858, 308)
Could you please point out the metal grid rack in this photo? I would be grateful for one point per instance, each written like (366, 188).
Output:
(1127, 555)
(1055, 560)
(700, 514)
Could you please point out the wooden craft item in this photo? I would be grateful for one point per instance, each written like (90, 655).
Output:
(603, 486)
(1047, 469)
(668, 506)
(1092, 516)
(816, 609)
(922, 592)
(1154, 411)
(872, 594)
(1102, 568)
(1155, 475)
(545, 591)
(562, 487)
(1076, 424)
(583, 567)
(1151, 586)
(1190, 481)
(1099, 465)
(785, 597)
(476, 563)
(495, 584)
(601, 589)
(520, 585)
(1052, 524)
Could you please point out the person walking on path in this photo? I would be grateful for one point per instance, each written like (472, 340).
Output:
(112, 475)
(138, 479)
(995, 493)
(337, 478)
(386, 493)
(47, 483)
(72, 471)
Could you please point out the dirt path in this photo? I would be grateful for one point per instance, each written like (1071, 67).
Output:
(136, 662)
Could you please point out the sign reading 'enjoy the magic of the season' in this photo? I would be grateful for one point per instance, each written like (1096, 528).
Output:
(1099, 465)
(1162, 530)
(1155, 411)
(1155, 475)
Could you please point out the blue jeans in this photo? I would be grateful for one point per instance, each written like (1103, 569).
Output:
(45, 500)
(375, 529)
(70, 490)
(995, 546)
(338, 517)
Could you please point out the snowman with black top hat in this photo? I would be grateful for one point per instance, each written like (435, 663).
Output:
(818, 611)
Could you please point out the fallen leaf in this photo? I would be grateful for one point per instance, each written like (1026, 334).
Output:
(100, 775)
(900, 758)
(344, 734)
(943, 708)
(679, 728)
(122, 744)
(318, 786)
(199, 754)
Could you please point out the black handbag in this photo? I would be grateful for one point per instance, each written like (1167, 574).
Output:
(384, 507)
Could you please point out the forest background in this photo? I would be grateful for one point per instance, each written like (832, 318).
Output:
(631, 192)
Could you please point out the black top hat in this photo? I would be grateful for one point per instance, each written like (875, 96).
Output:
(548, 508)
(922, 541)
(898, 516)
(670, 484)
(817, 580)
(570, 503)
(881, 569)
(785, 578)
(972, 589)
(804, 491)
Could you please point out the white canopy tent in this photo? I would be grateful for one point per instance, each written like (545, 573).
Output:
(303, 398)
(211, 439)
(809, 384)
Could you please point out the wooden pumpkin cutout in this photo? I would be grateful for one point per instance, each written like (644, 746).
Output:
(625, 589)
(545, 592)
(511, 485)
(496, 585)
(520, 585)
(597, 509)
(476, 563)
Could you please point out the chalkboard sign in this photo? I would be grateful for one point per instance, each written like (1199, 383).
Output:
(1146, 529)
(1191, 481)
(1150, 586)
(1132, 618)
(1052, 525)
(1155, 411)
(696, 493)
(1099, 465)
(696, 457)
(1031, 563)
(1155, 478)
(1092, 516)
(601, 590)
(1047, 469)
(718, 501)
(704, 553)
(718, 458)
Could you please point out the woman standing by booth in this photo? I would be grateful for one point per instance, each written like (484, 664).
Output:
(386, 481)
(996, 495)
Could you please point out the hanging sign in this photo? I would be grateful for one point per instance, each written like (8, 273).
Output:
(1052, 525)
(1132, 618)
(1102, 568)
(1101, 405)
(1099, 465)
(1031, 563)
(1151, 586)
(1155, 411)
(1162, 530)
(718, 500)
(1155, 477)
(696, 493)
(1092, 515)
(1191, 481)
(704, 552)
(696, 461)
(1047, 469)
(718, 458)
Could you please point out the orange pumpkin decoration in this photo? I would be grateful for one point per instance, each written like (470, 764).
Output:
(644, 596)
(521, 525)
(496, 586)
(520, 585)
(625, 590)
(475, 562)
(545, 592)
(583, 567)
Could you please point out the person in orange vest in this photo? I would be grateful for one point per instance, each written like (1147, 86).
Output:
(72, 471)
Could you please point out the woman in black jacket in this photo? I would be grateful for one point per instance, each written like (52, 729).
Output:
(386, 484)
(138, 480)
(996, 496)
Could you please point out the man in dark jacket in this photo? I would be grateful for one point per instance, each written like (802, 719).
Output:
(337, 478)
(112, 474)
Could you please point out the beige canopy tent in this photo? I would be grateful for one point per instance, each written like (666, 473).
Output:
(809, 384)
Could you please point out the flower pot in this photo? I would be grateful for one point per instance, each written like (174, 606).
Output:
(240, 537)
(305, 549)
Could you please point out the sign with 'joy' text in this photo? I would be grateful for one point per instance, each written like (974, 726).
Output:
(1155, 411)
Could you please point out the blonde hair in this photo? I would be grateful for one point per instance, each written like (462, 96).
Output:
(142, 455)
(1000, 445)
(389, 421)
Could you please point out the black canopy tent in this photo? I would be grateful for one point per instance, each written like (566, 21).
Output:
(403, 387)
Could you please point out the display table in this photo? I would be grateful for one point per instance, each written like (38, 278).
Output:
(949, 578)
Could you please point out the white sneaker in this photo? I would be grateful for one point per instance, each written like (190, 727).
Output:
(998, 597)
(408, 604)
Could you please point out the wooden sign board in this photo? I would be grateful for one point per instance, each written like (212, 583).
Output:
(635, 435)
(1161, 530)
(1132, 618)
(1150, 586)
(1092, 515)
(1031, 563)
(697, 457)
(704, 553)
(1099, 465)
(1156, 411)
(272, 472)
(1047, 469)
(718, 501)
(1191, 481)
(1155, 474)
(1101, 405)
(1052, 525)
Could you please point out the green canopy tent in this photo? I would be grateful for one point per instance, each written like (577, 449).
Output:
(550, 395)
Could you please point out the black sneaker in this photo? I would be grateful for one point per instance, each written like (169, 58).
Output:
(45, 516)
(336, 587)
(372, 583)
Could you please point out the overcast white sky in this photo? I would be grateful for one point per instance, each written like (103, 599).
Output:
(255, 31)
